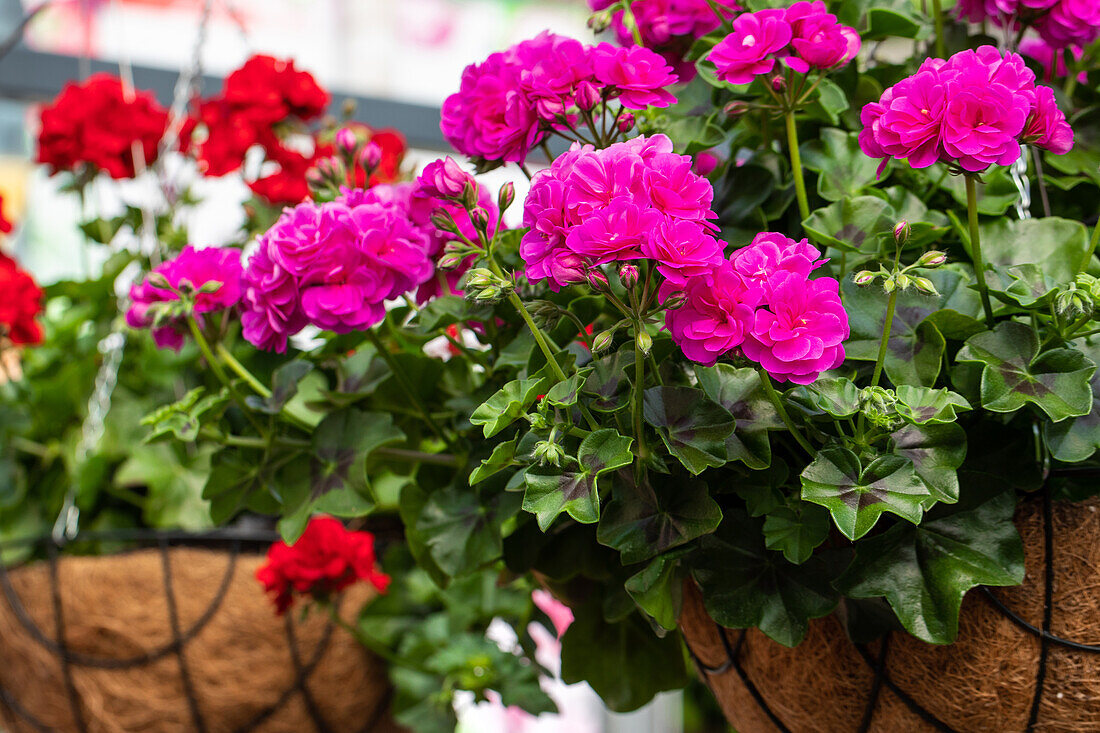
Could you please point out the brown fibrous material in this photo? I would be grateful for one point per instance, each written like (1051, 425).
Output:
(984, 682)
(239, 663)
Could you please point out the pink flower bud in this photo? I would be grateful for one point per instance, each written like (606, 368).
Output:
(445, 179)
(506, 196)
(587, 96)
(626, 122)
(902, 231)
(598, 281)
(371, 156)
(628, 274)
(346, 140)
(779, 84)
(567, 269)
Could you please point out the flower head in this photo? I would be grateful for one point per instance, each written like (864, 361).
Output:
(444, 178)
(20, 305)
(716, 317)
(326, 559)
(639, 76)
(211, 274)
(750, 49)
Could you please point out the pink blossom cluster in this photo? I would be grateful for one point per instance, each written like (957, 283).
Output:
(972, 110)
(669, 27)
(763, 302)
(509, 103)
(334, 265)
(802, 37)
(632, 200)
(199, 269)
(1061, 23)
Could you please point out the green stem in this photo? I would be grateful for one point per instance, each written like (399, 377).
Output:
(937, 18)
(796, 167)
(399, 375)
(219, 372)
(33, 448)
(777, 402)
(1091, 250)
(1071, 74)
(240, 370)
(976, 246)
(639, 402)
(884, 342)
(632, 23)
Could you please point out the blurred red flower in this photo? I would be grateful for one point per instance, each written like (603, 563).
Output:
(20, 303)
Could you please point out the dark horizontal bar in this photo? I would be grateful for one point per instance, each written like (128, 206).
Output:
(38, 76)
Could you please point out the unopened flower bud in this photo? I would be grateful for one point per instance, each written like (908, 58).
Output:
(469, 195)
(932, 258)
(449, 261)
(675, 301)
(443, 221)
(548, 452)
(545, 313)
(587, 96)
(210, 286)
(346, 140)
(603, 340)
(779, 84)
(925, 286)
(863, 277)
(506, 196)
(889, 285)
(644, 341)
(480, 277)
(902, 231)
(158, 280)
(488, 294)
(598, 281)
(371, 156)
(735, 109)
(628, 275)
(626, 122)
(480, 218)
(903, 281)
(1073, 304)
(314, 178)
(599, 22)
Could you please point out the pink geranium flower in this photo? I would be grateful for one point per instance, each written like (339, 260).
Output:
(750, 49)
(639, 76)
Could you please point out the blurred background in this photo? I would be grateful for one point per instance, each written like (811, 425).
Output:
(397, 60)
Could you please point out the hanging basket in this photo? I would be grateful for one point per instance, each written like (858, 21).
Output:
(1027, 658)
(178, 636)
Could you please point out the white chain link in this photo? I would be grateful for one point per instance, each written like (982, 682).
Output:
(1018, 171)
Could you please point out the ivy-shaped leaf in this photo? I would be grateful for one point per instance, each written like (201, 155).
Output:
(924, 570)
(745, 585)
(740, 392)
(1016, 374)
(843, 168)
(852, 224)
(937, 452)
(343, 442)
(1078, 438)
(838, 397)
(185, 418)
(462, 529)
(1029, 287)
(576, 492)
(1056, 245)
(796, 530)
(644, 521)
(923, 405)
(565, 394)
(857, 495)
(607, 382)
(284, 385)
(693, 427)
(658, 589)
(507, 405)
(501, 458)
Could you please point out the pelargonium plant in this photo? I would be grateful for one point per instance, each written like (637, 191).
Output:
(764, 329)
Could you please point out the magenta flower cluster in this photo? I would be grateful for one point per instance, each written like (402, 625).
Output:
(632, 200)
(669, 27)
(195, 268)
(334, 265)
(762, 302)
(802, 37)
(1061, 23)
(509, 103)
(972, 110)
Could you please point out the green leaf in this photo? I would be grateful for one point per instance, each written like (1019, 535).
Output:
(607, 382)
(745, 585)
(922, 405)
(829, 102)
(1015, 373)
(1056, 245)
(842, 166)
(343, 442)
(852, 224)
(643, 521)
(185, 418)
(284, 386)
(796, 530)
(693, 427)
(923, 571)
(886, 22)
(503, 454)
(507, 405)
(857, 495)
(1078, 438)
(937, 452)
(625, 662)
(996, 195)
(743, 396)
(838, 397)
(1030, 287)
(462, 530)
(658, 589)
(576, 492)
(565, 394)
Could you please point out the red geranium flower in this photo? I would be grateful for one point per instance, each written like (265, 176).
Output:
(95, 123)
(20, 303)
(5, 225)
(326, 559)
(287, 185)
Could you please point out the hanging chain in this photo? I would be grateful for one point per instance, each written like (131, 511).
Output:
(1018, 171)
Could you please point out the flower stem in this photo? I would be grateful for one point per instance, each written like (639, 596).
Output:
(240, 370)
(976, 246)
(632, 23)
(796, 167)
(219, 372)
(884, 342)
(937, 18)
(777, 402)
(399, 375)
